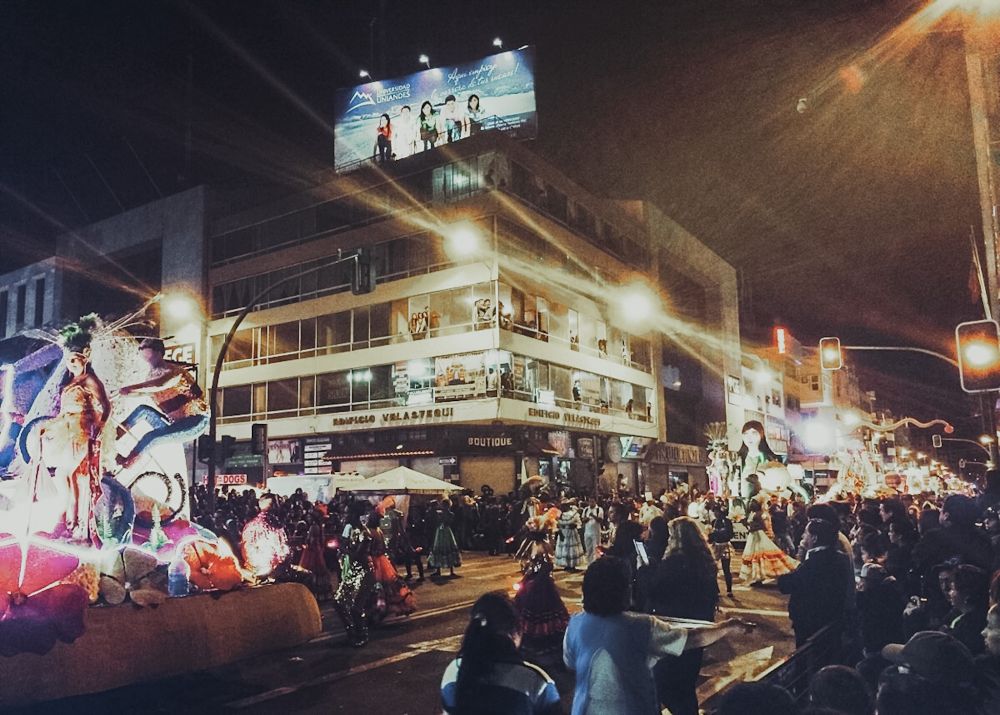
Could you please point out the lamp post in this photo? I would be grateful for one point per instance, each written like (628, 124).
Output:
(424, 60)
(213, 393)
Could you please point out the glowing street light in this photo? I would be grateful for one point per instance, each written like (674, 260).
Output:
(179, 306)
(851, 419)
(424, 60)
(497, 42)
(637, 304)
(462, 240)
(986, 439)
(363, 74)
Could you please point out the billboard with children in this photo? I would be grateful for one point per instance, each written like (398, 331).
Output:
(391, 119)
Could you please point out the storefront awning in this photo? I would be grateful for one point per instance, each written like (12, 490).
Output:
(339, 457)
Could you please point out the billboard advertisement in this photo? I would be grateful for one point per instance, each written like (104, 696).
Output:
(392, 119)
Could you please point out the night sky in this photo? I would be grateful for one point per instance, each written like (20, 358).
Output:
(851, 218)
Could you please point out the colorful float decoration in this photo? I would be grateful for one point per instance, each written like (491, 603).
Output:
(94, 507)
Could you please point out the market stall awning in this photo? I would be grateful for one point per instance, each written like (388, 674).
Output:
(402, 480)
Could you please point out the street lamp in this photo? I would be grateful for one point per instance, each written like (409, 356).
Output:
(986, 439)
(424, 60)
(637, 304)
(497, 42)
(462, 240)
(363, 74)
(179, 306)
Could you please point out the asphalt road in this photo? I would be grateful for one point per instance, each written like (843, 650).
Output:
(399, 671)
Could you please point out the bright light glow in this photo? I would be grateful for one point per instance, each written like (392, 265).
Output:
(637, 304)
(986, 439)
(851, 419)
(818, 436)
(921, 455)
(363, 74)
(361, 375)
(780, 341)
(417, 368)
(980, 354)
(830, 355)
(497, 42)
(462, 240)
(179, 306)
(762, 377)
(424, 60)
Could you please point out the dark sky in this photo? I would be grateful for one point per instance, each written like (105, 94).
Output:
(851, 218)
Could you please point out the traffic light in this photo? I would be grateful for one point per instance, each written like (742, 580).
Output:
(363, 273)
(936, 441)
(258, 437)
(830, 356)
(205, 449)
(227, 446)
(978, 346)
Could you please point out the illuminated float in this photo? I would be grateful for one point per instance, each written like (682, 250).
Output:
(95, 519)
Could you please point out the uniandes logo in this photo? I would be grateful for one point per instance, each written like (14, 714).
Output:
(581, 420)
(354, 420)
(407, 415)
(491, 441)
(544, 414)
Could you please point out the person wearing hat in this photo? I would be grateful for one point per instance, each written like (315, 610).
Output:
(181, 413)
(880, 605)
(931, 665)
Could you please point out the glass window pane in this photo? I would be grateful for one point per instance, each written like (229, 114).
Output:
(236, 400)
(334, 331)
(361, 327)
(283, 395)
(307, 334)
(382, 387)
(240, 347)
(284, 341)
(307, 392)
(452, 310)
(333, 388)
(379, 322)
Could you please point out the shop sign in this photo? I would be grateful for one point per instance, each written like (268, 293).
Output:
(447, 461)
(673, 453)
(585, 447)
(230, 480)
(490, 441)
(412, 415)
(567, 418)
(179, 353)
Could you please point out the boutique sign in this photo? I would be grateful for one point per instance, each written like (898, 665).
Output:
(395, 118)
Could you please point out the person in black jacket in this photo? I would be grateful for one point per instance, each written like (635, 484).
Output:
(816, 588)
(682, 585)
(720, 539)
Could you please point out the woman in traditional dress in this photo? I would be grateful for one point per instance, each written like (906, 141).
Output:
(357, 579)
(70, 442)
(399, 600)
(593, 521)
(762, 559)
(569, 548)
(444, 552)
(542, 613)
(313, 559)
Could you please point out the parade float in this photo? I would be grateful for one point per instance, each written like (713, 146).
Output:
(104, 578)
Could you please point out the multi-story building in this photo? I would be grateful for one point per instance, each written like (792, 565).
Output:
(496, 345)
(507, 336)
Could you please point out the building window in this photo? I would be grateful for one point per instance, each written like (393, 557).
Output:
(39, 302)
(283, 396)
(22, 296)
(236, 401)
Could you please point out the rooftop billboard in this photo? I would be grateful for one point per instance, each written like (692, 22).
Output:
(392, 119)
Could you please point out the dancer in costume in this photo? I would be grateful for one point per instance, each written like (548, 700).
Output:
(70, 442)
(181, 413)
(593, 521)
(357, 580)
(444, 552)
(720, 538)
(399, 599)
(398, 544)
(762, 559)
(569, 549)
(540, 608)
(313, 559)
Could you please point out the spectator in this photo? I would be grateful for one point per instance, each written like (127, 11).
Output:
(841, 689)
(899, 558)
(969, 598)
(489, 677)
(610, 649)
(880, 605)
(817, 588)
(988, 664)
(688, 561)
(939, 677)
(958, 537)
(757, 699)
(656, 540)
(990, 498)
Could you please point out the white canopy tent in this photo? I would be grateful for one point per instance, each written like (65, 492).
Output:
(401, 480)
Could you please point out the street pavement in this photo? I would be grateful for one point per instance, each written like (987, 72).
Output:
(399, 671)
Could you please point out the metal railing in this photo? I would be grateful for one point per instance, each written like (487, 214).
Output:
(794, 673)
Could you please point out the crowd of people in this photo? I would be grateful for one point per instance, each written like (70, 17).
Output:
(906, 585)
